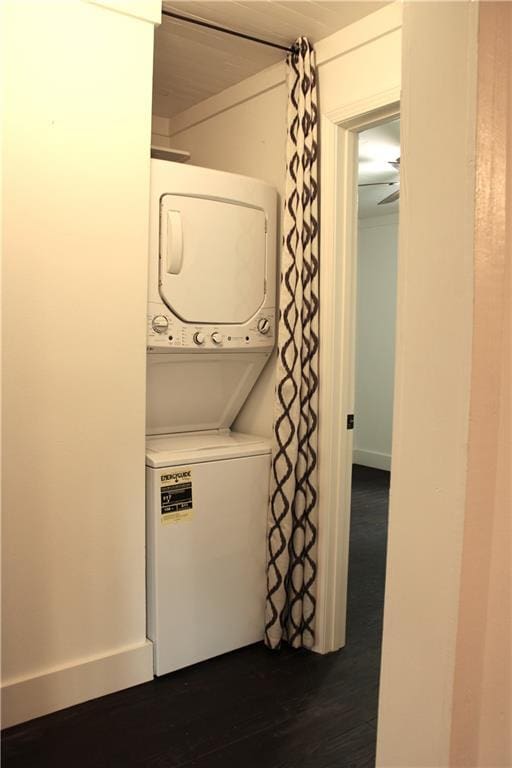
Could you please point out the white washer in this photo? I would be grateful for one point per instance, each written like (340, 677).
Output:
(206, 498)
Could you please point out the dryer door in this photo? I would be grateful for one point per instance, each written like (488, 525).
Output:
(212, 259)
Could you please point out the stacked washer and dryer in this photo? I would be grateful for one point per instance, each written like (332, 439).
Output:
(210, 331)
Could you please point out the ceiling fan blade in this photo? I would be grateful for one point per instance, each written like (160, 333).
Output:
(390, 198)
(378, 183)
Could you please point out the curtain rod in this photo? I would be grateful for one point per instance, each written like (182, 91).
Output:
(227, 31)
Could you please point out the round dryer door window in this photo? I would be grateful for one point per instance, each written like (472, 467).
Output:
(212, 259)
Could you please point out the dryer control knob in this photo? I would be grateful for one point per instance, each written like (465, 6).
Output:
(160, 324)
(199, 338)
(216, 338)
(263, 325)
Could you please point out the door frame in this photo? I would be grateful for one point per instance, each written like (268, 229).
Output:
(338, 274)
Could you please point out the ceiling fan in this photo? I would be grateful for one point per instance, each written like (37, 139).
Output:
(394, 195)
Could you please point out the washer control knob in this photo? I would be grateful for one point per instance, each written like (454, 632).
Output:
(199, 337)
(216, 337)
(263, 325)
(160, 324)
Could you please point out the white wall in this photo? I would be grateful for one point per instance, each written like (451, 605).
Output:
(243, 130)
(375, 340)
(77, 120)
(434, 334)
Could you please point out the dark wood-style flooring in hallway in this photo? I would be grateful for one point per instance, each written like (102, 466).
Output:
(252, 708)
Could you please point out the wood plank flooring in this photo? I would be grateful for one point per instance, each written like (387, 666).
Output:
(252, 708)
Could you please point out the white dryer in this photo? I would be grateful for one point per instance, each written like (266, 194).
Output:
(212, 271)
(210, 331)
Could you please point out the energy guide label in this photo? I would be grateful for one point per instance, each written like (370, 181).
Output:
(175, 495)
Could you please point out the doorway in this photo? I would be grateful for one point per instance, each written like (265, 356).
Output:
(340, 133)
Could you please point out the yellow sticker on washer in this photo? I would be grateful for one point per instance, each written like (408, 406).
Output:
(175, 495)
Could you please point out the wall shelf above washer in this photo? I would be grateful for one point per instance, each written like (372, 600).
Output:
(167, 153)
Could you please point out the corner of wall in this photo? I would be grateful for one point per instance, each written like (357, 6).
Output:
(146, 10)
(482, 702)
(160, 131)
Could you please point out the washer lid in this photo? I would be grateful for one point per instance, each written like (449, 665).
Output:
(195, 447)
(198, 390)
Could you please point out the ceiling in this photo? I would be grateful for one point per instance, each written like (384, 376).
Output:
(193, 63)
(378, 146)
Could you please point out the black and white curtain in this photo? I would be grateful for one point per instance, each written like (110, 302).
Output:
(292, 529)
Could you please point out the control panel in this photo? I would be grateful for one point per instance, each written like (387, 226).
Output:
(167, 332)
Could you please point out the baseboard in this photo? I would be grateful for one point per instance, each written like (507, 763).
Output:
(24, 699)
(372, 459)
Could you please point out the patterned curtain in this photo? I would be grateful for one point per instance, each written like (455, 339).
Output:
(292, 528)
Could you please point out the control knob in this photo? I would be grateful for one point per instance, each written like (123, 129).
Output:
(263, 325)
(199, 337)
(216, 337)
(160, 324)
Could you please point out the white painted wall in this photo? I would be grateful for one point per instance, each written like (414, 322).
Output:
(77, 109)
(375, 340)
(432, 389)
(243, 130)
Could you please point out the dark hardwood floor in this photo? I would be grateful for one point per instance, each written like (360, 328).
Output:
(252, 708)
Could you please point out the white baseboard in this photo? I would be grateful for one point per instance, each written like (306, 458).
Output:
(372, 459)
(24, 699)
